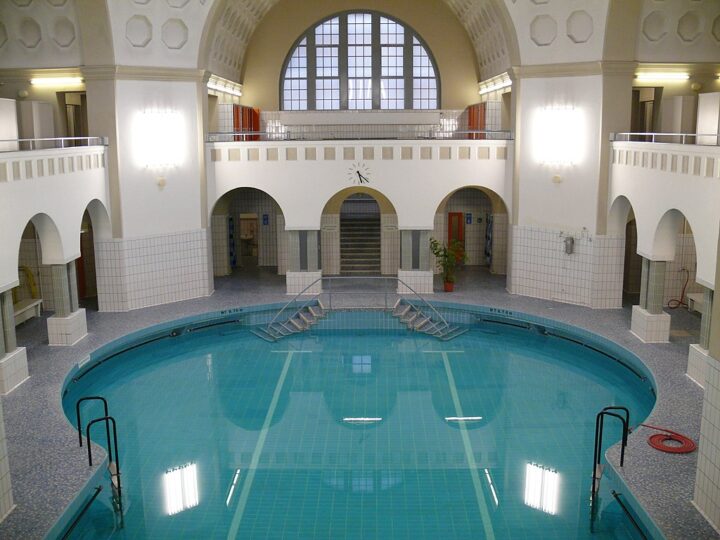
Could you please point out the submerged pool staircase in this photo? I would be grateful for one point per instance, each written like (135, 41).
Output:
(415, 312)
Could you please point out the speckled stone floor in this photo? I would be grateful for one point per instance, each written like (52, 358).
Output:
(48, 468)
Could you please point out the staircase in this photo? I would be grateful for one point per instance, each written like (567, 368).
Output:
(299, 321)
(360, 245)
(417, 320)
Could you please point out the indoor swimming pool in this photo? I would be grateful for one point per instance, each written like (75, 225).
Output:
(357, 428)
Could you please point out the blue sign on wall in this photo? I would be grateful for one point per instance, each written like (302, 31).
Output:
(468, 218)
(266, 219)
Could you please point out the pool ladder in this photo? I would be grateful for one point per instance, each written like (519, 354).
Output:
(299, 321)
(415, 319)
(113, 462)
(624, 417)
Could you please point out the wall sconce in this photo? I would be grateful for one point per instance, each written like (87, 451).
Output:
(224, 86)
(159, 140)
(559, 136)
(494, 84)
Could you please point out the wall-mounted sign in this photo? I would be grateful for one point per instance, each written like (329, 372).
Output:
(468, 218)
(266, 219)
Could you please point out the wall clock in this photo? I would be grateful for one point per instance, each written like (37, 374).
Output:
(359, 173)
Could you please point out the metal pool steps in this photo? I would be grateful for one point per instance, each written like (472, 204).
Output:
(415, 319)
(299, 321)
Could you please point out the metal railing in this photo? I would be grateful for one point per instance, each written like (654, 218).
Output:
(20, 145)
(351, 132)
(328, 293)
(668, 138)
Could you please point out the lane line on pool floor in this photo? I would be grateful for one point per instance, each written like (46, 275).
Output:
(479, 495)
(250, 476)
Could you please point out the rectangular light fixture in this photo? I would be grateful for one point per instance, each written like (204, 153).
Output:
(56, 81)
(361, 420)
(159, 139)
(662, 76)
(463, 418)
(181, 489)
(542, 488)
(494, 84)
(224, 89)
(558, 136)
(224, 86)
(233, 485)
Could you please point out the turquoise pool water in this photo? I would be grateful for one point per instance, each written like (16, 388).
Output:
(354, 434)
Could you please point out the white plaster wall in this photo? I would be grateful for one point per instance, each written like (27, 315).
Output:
(558, 32)
(678, 31)
(158, 33)
(681, 177)
(330, 244)
(302, 187)
(176, 207)
(543, 202)
(8, 124)
(28, 188)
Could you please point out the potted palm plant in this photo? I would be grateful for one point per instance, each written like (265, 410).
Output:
(447, 259)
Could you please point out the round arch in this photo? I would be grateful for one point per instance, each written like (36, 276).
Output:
(49, 236)
(497, 202)
(666, 232)
(620, 211)
(333, 204)
(100, 218)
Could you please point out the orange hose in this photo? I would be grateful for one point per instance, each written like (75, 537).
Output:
(658, 441)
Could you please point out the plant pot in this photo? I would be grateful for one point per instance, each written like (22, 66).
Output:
(449, 286)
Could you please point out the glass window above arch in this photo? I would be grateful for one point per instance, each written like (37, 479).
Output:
(359, 61)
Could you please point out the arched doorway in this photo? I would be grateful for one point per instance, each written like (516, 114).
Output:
(247, 228)
(359, 234)
(478, 219)
(632, 266)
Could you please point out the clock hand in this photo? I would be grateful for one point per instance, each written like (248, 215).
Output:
(362, 178)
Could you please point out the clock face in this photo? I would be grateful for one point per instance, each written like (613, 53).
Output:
(359, 173)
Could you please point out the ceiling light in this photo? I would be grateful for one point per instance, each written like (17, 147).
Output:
(662, 76)
(56, 81)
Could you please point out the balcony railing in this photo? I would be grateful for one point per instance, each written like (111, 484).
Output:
(345, 132)
(17, 145)
(668, 138)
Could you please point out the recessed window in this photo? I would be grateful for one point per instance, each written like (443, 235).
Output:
(359, 61)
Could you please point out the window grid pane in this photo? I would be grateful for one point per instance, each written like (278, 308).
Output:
(424, 81)
(328, 33)
(295, 84)
(359, 94)
(392, 62)
(327, 94)
(326, 62)
(391, 33)
(359, 29)
(392, 94)
(359, 61)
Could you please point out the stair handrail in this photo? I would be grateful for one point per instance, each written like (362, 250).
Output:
(79, 420)
(597, 451)
(338, 278)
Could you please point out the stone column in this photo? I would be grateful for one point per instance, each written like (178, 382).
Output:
(698, 355)
(68, 325)
(415, 262)
(649, 322)
(13, 359)
(303, 262)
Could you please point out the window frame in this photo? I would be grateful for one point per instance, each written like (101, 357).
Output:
(376, 64)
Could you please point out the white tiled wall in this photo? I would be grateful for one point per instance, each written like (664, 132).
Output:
(67, 330)
(685, 257)
(330, 244)
(389, 244)
(698, 359)
(224, 113)
(141, 272)
(282, 245)
(13, 371)
(591, 276)
(297, 281)
(420, 281)
(220, 251)
(707, 481)
(499, 244)
(649, 327)
(6, 498)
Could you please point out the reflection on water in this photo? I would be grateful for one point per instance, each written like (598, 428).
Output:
(181, 489)
(542, 487)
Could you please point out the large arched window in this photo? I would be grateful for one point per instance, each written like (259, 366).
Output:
(356, 61)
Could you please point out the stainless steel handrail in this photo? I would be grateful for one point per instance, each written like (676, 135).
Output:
(64, 143)
(331, 279)
(359, 132)
(615, 137)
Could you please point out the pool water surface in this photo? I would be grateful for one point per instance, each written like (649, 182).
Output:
(358, 434)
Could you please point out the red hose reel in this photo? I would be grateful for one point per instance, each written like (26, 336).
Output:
(659, 441)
